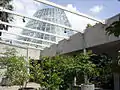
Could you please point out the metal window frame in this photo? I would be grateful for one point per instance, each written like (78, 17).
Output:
(34, 30)
(25, 47)
(24, 35)
(25, 41)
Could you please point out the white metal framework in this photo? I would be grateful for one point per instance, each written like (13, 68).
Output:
(68, 10)
(34, 18)
(1, 22)
(40, 20)
(51, 14)
(24, 41)
(21, 46)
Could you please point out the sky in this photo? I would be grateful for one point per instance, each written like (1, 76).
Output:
(100, 9)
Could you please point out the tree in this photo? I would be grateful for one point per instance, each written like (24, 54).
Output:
(17, 70)
(88, 25)
(36, 72)
(104, 66)
(60, 70)
(86, 66)
(114, 29)
(53, 71)
(5, 16)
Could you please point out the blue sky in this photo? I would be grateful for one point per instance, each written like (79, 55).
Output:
(101, 9)
(106, 8)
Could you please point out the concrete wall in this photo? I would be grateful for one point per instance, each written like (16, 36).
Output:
(74, 43)
(32, 53)
(94, 36)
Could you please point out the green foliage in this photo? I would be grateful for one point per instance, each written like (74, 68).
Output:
(59, 71)
(104, 67)
(52, 72)
(10, 52)
(113, 28)
(4, 16)
(6, 4)
(17, 71)
(86, 66)
(36, 72)
(53, 68)
(116, 65)
(88, 25)
(55, 72)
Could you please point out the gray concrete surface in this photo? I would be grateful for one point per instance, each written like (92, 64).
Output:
(32, 53)
(94, 36)
(31, 84)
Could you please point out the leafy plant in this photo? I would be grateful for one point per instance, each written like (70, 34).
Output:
(104, 66)
(113, 28)
(52, 71)
(36, 72)
(86, 67)
(88, 25)
(60, 70)
(4, 16)
(17, 71)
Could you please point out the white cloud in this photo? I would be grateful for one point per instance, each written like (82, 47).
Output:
(77, 22)
(70, 6)
(27, 7)
(18, 5)
(96, 9)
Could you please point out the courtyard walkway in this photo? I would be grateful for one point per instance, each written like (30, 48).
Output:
(31, 84)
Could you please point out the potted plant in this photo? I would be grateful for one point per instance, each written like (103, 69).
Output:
(87, 68)
(16, 68)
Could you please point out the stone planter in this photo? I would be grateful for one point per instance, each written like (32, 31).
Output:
(27, 88)
(87, 87)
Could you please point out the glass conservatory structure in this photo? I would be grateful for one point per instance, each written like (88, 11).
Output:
(54, 15)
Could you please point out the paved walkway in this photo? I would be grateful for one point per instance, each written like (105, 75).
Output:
(34, 85)
(9, 88)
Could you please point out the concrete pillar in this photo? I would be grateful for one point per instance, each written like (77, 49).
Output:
(116, 76)
(116, 81)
